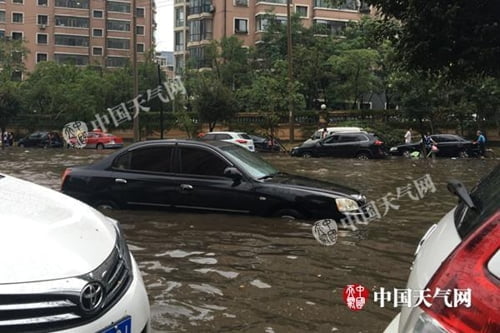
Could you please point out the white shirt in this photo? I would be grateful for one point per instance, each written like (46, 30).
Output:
(408, 137)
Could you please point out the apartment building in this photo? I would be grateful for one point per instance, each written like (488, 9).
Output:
(197, 22)
(80, 32)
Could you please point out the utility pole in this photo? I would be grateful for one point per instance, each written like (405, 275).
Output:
(161, 103)
(291, 118)
(137, 132)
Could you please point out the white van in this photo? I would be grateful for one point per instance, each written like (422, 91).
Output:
(331, 130)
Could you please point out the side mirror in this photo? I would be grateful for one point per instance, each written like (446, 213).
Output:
(233, 173)
(458, 189)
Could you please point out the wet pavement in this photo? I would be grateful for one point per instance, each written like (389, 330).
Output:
(226, 273)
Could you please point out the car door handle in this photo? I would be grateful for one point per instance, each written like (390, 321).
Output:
(186, 187)
(120, 181)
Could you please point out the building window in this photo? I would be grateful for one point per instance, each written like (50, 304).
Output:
(16, 76)
(43, 19)
(41, 57)
(17, 17)
(43, 2)
(240, 26)
(119, 7)
(2, 33)
(72, 59)
(2, 15)
(139, 30)
(200, 6)
(262, 22)
(17, 1)
(241, 3)
(97, 32)
(118, 25)
(72, 21)
(82, 4)
(200, 30)
(273, 1)
(98, 14)
(198, 58)
(97, 51)
(140, 48)
(118, 43)
(179, 64)
(71, 40)
(179, 17)
(302, 10)
(179, 40)
(347, 4)
(42, 39)
(140, 12)
(116, 61)
(327, 27)
(17, 35)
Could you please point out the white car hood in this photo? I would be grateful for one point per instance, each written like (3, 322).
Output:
(47, 235)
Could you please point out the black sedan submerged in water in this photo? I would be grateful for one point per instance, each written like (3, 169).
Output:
(206, 176)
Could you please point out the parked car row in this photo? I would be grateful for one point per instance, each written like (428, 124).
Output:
(94, 140)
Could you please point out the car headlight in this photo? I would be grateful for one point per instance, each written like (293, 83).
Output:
(121, 243)
(394, 148)
(346, 205)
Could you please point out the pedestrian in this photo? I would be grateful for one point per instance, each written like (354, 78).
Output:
(324, 134)
(5, 139)
(481, 143)
(10, 139)
(408, 136)
(429, 143)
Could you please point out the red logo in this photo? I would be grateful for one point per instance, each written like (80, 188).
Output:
(355, 296)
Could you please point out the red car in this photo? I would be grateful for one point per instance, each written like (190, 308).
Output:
(99, 140)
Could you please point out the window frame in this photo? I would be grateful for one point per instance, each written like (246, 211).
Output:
(17, 13)
(38, 34)
(235, 25)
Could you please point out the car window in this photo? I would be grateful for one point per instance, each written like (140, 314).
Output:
(195, 161)
(349, 138)
(332, 139)
(249, 162)
(153, 159)
(439, 138)
(223, 137)
(209, 136)
(486, 197)
(244, 136)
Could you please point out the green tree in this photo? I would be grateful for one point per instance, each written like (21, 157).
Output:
(213, 101)
(461, 36)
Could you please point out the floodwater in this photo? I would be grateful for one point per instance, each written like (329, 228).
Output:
(226, 273)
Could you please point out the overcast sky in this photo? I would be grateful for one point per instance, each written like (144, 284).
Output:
(165, 25)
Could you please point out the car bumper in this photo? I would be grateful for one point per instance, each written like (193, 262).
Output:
(393, 327)
(134, 304)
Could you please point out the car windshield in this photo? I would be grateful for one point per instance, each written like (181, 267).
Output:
(250, 162)
(486, 198)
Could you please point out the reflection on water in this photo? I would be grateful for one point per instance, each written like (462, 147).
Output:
(211, 272)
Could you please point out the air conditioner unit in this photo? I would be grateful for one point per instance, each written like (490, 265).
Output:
(42, 26)
(212, 8)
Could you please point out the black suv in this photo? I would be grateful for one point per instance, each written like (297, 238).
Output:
(361, 145)
(41, 139)
(206, 176)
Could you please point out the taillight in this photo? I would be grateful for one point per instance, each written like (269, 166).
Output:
(241, 141)
(467, 268)
(65, 174)
(378, 143)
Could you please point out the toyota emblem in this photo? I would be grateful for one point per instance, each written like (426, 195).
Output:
(91, 296)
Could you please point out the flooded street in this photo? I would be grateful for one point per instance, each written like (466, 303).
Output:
(226, 273)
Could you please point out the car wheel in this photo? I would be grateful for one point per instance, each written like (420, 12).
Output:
(307, 155)
(406, 153)
(463, 154)
(105, 205)
(99, 146)
(362, 156)
(289, 214)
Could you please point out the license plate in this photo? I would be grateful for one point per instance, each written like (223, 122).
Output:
(123, 326)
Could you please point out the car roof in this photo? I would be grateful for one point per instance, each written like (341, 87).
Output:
(225, 132)
(187, 141)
